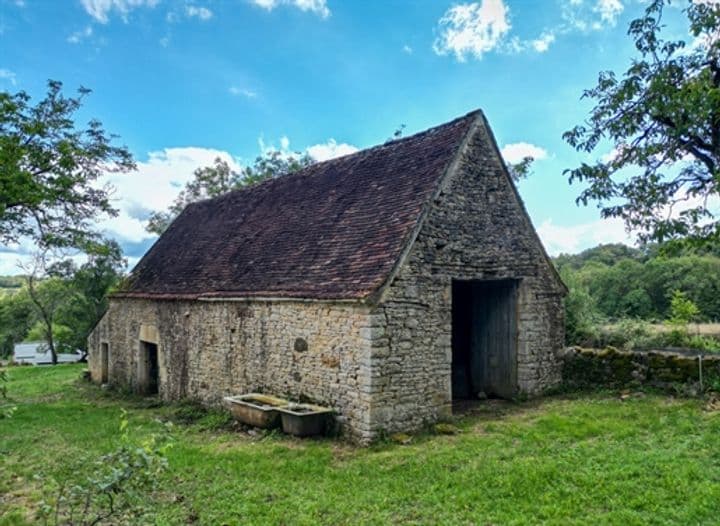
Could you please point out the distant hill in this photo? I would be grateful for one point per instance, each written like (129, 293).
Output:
(10, 284)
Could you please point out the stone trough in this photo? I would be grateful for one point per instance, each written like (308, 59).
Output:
(255, 409)
(269, 412)
(304, 420)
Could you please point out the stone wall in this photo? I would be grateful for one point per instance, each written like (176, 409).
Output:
(614, 368)
(208, 350)
(476, 229)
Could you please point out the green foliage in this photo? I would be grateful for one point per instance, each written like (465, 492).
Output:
(64, 301)
(118, 487)
(48, 296)
(682, 312)
(682, 309)
(662, 117)
(581, 313)
(90, 282)
(50, 167)
(625, 282)
(630, 334)
(6, 408)
(702, 343)
(62, 336)
(16, 317)
(615, 282)
(522, 169)
(212, 181)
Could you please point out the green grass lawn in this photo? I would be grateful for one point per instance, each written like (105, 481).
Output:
(581, 459)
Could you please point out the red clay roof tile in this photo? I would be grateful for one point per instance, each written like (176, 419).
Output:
(333, 230)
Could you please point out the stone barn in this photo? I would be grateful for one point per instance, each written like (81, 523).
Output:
(385, 284)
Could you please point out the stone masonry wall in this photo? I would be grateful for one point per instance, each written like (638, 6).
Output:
(476, 229)
(674, 371)
(207, 350)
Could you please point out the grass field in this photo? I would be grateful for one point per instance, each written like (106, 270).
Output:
(580, 459)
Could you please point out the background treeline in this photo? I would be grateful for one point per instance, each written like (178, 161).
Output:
(69, 300)
(628, 282)
(612, 284)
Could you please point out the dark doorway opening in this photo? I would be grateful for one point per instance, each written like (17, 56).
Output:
(148, 369)
(104, 362)
(484, 339)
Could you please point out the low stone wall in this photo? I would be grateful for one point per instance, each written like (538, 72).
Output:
(662, 369)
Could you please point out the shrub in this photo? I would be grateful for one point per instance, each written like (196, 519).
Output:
(6, 409)
(682, 309)
(581, 314)
(703, 343)
(117, 488)
(629, 335)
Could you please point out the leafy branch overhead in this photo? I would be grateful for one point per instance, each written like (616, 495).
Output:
(663, 119)
(212, 181)
(49, 190)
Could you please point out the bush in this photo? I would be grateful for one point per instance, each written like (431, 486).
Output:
(629, 335)
(581, 314)
(6, 409)
(116, 490)
(703, 343)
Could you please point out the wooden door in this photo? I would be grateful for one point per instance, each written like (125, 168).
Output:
(484, 338)
(493, 340)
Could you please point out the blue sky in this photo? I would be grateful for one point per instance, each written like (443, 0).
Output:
(184, 81)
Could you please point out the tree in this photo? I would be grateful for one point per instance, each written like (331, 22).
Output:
(682, 309)
(90, 282)
(212, 181)
(16, 318)
(663, 120)
(48, 291)
(50, 167)
(522, 169)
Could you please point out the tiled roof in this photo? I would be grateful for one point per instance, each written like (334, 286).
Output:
(333, 230)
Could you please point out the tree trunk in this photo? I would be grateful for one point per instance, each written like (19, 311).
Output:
(51, 344)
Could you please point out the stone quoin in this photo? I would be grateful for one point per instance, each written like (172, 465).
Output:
(384, 284)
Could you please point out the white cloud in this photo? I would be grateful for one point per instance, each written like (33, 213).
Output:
(319, 152)
(318, 7)
(571, 239)
(407, 49)
(100, 10)
(609, 10)
(244, 92)
(590, 15)
(472, 29)
(6, 74)
(203, 13)
(79, 36)
(154, 185)
(516, 152)
(542, 43)
(330, 150)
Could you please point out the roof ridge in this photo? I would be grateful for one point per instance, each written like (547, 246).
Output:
(302, 172)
